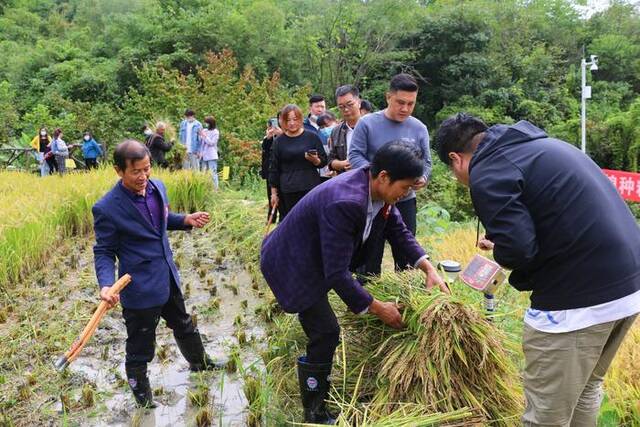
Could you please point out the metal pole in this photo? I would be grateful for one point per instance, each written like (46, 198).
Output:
(583, 111)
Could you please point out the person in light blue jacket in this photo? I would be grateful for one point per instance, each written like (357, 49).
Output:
(91, 150)
(190, 130)
(60, 151)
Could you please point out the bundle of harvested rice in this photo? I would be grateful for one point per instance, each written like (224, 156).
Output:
(405, 415)
(448, 357)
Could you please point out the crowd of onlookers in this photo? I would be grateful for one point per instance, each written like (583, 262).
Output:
(310, 149)
(299, 151)
(201, 144)
(52, 154)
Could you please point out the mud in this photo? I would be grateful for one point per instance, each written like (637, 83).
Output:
(102, 362)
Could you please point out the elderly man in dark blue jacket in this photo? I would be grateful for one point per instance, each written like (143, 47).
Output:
(553, 218)
(131, 223)
(322, 240)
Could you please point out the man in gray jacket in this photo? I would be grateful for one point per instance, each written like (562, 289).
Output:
(376, 129)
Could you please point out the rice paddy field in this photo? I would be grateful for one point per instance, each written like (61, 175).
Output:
(450, 366)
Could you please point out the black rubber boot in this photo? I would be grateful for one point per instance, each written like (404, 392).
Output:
(314, 389)
(139, 383)
(192, 349)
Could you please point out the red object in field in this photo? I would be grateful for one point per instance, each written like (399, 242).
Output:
(627, 183)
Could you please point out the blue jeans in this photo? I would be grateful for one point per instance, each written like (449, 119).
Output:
(212, 165)
(44, 167)
(194, 161)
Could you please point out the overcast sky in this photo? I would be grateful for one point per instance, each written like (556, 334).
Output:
(594, 6)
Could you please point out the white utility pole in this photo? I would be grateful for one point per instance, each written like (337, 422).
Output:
(586, 94)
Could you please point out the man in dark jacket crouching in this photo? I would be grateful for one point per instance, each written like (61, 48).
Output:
(323, 239)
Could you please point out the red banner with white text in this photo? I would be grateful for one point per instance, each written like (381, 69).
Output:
(627, 183)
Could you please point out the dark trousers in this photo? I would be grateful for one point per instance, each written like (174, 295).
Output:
(53, 165)
(323, 332)
(91, 163)
(141, 327)
(375, 244)
(289, 200)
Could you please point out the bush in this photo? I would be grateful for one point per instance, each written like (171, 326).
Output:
(444, 191)
(239, 101)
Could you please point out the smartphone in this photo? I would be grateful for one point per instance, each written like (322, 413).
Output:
(312, 152)
(273, 122)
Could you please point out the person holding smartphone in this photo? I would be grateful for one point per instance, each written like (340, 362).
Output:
(274, 129)
(295, 158)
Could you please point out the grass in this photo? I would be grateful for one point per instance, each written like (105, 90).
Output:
(448, 364)
(622, 383)
(40, 316)
(447, 357)
(36, 230)
(39, 212)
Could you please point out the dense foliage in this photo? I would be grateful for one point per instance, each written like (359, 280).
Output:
(111, 65)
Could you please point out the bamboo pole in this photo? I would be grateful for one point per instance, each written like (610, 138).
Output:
(63, 361)
(270, 221)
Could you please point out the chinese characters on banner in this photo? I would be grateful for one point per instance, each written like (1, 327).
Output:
(627, 183)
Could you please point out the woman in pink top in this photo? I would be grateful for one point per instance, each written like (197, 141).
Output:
(210, 136)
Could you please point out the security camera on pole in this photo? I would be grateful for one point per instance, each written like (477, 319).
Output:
(586, 94)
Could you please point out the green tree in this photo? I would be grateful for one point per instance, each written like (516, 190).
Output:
(8, 113)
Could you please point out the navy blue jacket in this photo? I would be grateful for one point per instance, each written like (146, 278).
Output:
(555, 218)
(306, 123)
(142, 251)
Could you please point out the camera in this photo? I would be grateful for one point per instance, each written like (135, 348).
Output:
(312, 152)
(273, 122)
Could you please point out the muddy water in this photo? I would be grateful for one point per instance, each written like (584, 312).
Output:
(102, 361)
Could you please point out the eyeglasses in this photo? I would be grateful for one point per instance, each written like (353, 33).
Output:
(348, 106)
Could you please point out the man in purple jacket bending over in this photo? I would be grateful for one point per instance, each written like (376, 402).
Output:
(322, 240)
(131, 223)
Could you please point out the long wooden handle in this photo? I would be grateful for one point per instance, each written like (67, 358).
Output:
(92, 325)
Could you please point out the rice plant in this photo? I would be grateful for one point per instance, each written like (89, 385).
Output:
(622, 383)
(32, 225)
(447, 357)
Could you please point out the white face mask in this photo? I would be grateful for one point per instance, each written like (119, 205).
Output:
(43, 133)
(87, 138)
(147, 132)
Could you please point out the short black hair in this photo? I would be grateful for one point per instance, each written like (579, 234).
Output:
(131, 150)
(400, 159)
(403, 81)
(315, 98)
(455, 135)
(189, 113)
(347, 89)
(366, 105)
(325, 118)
